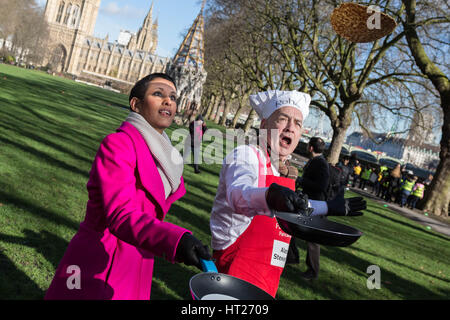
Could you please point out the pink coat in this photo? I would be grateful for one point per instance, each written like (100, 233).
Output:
(123, 229)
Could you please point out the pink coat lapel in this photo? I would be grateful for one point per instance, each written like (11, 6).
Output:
(148, 172)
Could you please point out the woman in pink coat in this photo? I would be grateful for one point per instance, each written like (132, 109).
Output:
(135, 177)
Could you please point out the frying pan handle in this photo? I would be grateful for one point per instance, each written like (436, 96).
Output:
(208, 265)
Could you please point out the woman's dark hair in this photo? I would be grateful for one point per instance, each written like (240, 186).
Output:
(141, 86)
(317, 144)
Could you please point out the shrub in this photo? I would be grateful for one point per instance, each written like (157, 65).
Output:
(10, 59)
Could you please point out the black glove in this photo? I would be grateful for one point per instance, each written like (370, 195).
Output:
(190, 250)
(280, 198)
(339, 206)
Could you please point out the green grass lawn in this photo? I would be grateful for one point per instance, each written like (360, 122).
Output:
(50, 129)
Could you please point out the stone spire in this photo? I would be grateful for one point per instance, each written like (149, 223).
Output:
(149, 17)
(146, 40)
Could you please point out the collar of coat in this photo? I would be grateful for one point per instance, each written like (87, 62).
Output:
(148, 172)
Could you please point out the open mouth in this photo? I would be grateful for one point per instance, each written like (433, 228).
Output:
(165, 112)
(285, 141)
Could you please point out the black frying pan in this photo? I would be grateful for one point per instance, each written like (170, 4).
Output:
(317, 229)
(211, 285)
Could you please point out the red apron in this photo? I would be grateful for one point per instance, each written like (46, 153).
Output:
(259, 254)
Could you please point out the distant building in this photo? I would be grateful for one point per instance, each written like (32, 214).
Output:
(421, 154)
(422, 129)
(125, 37)
(392, 146)
(74, 49)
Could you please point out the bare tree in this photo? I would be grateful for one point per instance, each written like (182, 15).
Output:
(238, 60)
(9, 17)
(226, 82)
(22, 21)
(283, 44)
(438, 198)
(340, 75)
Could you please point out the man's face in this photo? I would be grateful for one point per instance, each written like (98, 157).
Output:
(284, 129)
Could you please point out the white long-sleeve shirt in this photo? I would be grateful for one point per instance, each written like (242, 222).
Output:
(239, 199)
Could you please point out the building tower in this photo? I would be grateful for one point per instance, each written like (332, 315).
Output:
(147, 36)
(69, 23)
(187, 67)
(421, 129)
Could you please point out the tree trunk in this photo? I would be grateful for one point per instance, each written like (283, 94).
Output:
(217, 115)
(338, 140)
(215, 112)
(340, 124)
(211, 111)
(438, 197)
(249, 122)
(237, 115)
(212, 101)
(226, 109)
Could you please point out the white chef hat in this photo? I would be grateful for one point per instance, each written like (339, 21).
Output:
(266, 103)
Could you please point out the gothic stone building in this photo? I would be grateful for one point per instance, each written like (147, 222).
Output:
(74, 49)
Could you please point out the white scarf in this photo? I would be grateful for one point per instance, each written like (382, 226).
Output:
(169, 161)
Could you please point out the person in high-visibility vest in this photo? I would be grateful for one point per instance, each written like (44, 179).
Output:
(377, 184)
(365, 175)
(384, 184)
(406, 188)
(417, 193)
(356, 173)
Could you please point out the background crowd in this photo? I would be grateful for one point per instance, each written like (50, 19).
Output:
(397, 185)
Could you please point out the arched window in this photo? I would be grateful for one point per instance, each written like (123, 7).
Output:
(68, 10)
(74, 18)
(60, 11)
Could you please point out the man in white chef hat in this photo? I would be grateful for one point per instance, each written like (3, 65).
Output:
(246, 239)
